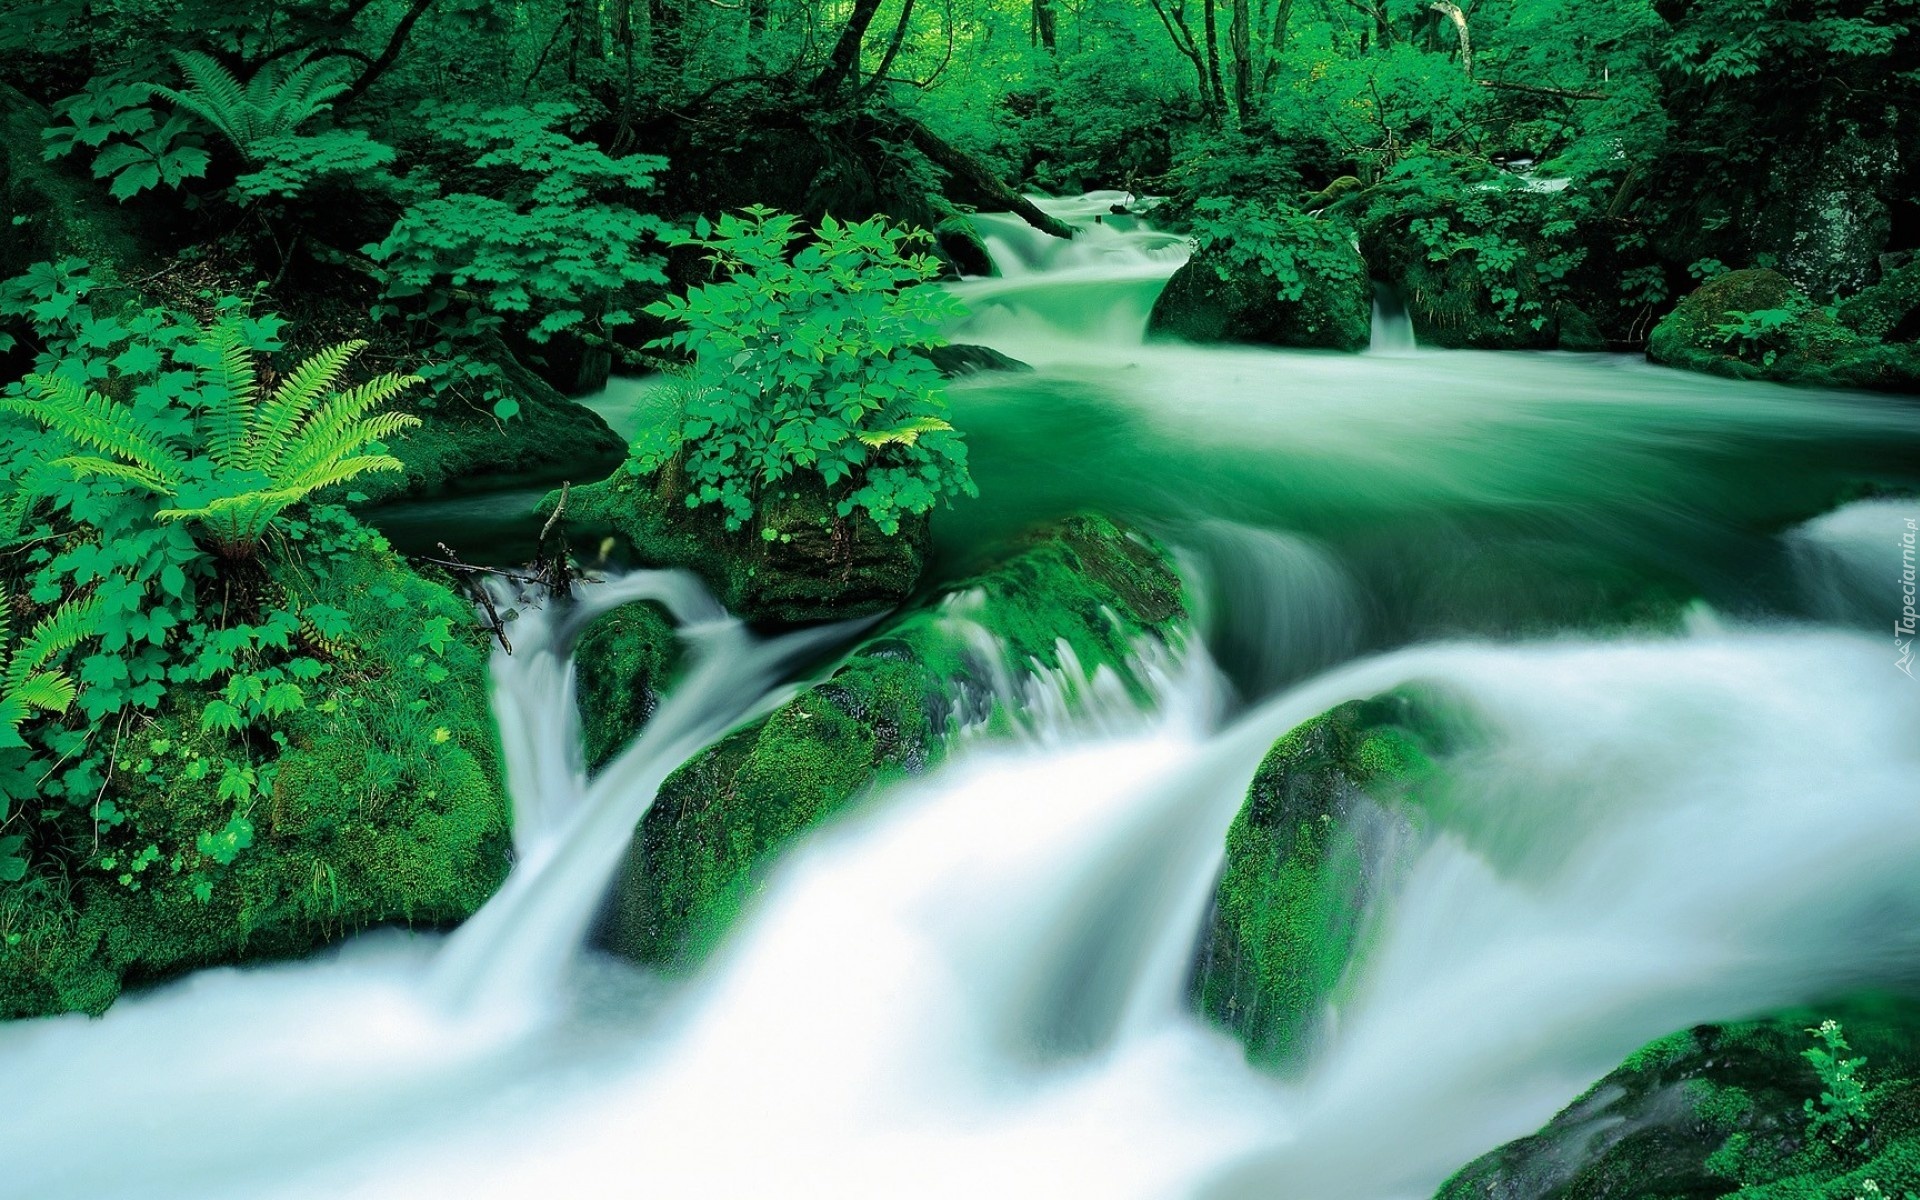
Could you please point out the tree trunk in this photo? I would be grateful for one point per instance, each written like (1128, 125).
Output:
(1043, 25)
(1175, 20)
(1276, 46)
(893, 47)
(1452, 12)
(846, 52)
(1213, 56)
(1240, 40)
(980, 181)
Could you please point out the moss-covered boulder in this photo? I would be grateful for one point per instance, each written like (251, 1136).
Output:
(1723, 1110)
(1218, 296)
(458, 447)
(382, 802)
(1306, 856)
(622, 664)
(1087, 588)
(1889, 311)
(797, 561)
(1755, 324)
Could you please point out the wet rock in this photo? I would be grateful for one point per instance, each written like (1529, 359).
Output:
(1086, 588)
(1306, 857)
(623, 662)
(1727, 1109)
(798, 561)
(963, 358)
(1212, 299)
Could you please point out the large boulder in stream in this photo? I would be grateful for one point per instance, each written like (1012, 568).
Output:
(1223, 294)
(1730, 1109)
(1306, 858)
(1081, 599)
(799, 560)
(1755, 324)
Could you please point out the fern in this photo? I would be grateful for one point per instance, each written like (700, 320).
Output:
(28, 684)
(253, 457)
(279, 98)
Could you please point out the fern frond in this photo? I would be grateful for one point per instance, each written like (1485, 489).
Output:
(214, 94)
(329, 432)
(94, 421)
(83, 465)
(905, 434)
(303, 93)
(6, 631)
(303, 390)
(236, 388)
(48, 691)
(330, 474)
(59, 632)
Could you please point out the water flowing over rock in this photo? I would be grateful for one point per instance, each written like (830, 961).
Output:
(1072, 605)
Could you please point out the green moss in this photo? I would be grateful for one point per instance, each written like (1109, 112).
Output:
(883, 713)
(1198, 306)
(622, 664)
(1812, 349)
(385, 806)
(1290, 908)
(1720, 1110)
(799, 561)
(457, 446)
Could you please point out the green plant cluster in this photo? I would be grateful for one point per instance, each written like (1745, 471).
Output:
(203, 637)
(805, 360)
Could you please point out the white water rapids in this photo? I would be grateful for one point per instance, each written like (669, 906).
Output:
(975, 983)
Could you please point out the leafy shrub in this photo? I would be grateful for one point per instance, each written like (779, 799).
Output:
(165, 421)
(1292, 249)
(551, 237)
(805, 361)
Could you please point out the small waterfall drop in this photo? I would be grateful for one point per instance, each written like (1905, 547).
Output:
(1392, 334)
(1098, 287)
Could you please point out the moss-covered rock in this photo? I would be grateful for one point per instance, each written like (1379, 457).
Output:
(797, 561)
(1722, 1110)
(622, 664)
(385, 805)
(1303, 862)
(1087, 587)
(1889, 310)
(458, 447)
(1715, 329)
(1214, 299)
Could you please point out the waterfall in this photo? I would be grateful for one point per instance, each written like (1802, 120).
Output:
(1392, 328)
(1098, 287)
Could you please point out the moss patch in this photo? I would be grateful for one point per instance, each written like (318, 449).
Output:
(621, 666)
(884, 713)
(1290, 909)
(385, 806)
(1720, 1110)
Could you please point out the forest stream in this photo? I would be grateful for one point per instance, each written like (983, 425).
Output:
(1689, 796)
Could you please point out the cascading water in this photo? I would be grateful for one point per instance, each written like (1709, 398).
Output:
(976, 982)
(1392, 332)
